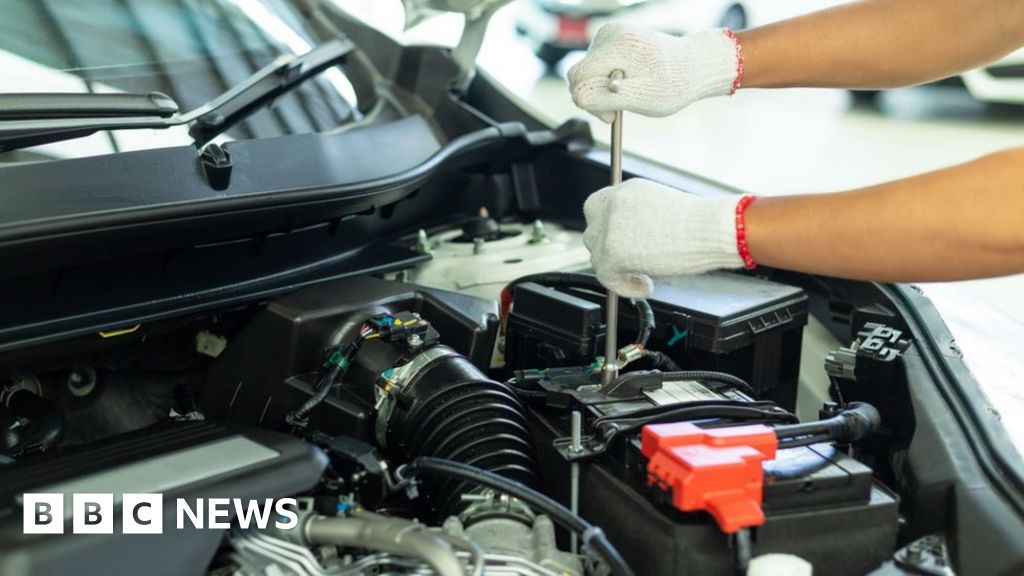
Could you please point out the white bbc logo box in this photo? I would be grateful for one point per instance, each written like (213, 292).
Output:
(92, 513)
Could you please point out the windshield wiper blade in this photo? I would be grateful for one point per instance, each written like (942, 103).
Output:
(40, 106)
(32, 119)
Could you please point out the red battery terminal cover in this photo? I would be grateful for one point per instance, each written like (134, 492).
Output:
(717, 470)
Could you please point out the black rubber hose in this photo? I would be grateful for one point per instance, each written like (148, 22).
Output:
(712, 376)
(46, 422)
(590, 282)
(591, 536)
(858, 421)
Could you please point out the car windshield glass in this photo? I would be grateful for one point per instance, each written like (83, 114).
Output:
(190, 50)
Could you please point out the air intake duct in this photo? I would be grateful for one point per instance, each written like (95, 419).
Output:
(439, 404)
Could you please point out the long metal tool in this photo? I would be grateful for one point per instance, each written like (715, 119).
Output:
(574, 472)
(610, 372)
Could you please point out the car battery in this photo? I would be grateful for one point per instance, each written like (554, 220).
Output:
(746, 326)
(820, 503)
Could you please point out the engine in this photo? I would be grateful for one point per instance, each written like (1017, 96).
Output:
(424, 430)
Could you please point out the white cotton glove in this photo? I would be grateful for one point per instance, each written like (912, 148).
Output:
(641, 229)
(663, 73)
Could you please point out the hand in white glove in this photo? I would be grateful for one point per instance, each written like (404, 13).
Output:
(641, 229)
(663, 73)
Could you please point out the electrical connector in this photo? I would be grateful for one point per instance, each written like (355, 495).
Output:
(407, 327)
(629, 354)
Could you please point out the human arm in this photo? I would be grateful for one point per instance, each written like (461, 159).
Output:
(865, 44)
(959, 223)
(881, 43)
(962, 222)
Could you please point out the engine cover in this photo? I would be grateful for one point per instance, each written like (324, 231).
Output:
(188, 460)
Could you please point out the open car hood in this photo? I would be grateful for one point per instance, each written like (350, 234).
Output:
(262, 267)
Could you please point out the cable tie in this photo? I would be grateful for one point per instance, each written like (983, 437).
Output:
(591, 533)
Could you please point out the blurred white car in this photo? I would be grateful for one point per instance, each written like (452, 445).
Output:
(557, 27)
(1002, 82)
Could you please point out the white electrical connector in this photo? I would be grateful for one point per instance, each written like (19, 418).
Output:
(629, 354)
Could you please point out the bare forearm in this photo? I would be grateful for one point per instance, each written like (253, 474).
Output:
(959, 223)
(882, 43)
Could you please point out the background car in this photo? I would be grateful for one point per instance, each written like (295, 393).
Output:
(557, 27)
(1002, 82)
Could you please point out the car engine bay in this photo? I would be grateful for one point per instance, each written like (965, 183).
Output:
(462, 427)
(389, 333)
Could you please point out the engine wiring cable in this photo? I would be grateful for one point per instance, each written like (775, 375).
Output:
(656, 411)
(591, 536)
(611, 428)
(526, 393)
(835, 391)
(712, 376)
(703, 376)
(661, 361)
(798, 441)
(800, 465)
(336, 366)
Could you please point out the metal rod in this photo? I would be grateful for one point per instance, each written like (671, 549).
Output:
(610, 372)
(574, 471)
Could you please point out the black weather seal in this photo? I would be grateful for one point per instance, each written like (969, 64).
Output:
(990, 448)
(57, 117)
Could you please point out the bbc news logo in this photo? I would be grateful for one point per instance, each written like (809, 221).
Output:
(144, 513)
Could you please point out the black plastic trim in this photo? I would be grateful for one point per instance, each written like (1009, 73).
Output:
(960, 392)
(254, 187)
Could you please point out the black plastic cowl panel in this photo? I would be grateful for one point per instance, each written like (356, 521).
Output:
(77, 196)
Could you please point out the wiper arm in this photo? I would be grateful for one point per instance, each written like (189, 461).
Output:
(263, 87)
(33, 119)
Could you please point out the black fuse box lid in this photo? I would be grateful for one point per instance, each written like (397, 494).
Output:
(564, 312)
(725, 311)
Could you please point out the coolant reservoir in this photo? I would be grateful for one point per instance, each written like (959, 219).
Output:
(779, 565)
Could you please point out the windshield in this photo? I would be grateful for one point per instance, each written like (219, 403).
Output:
(190, 50)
